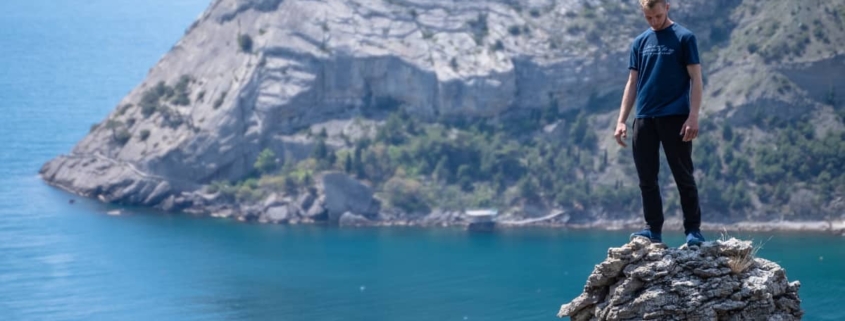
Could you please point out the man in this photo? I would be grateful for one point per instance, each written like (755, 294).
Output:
(665, 83)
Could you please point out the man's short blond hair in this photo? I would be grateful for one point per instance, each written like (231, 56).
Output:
(648, 4)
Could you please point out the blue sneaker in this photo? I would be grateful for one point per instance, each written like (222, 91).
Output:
(695, 238)
(646, 233)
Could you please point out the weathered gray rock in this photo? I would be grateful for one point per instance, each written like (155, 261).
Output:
(305, 200)
(644, 281)
(249, 214)
(351, 219)
(279, 214)
(317, 212)
(443, 218)
(345, 194)
(223, 213)
(175, 203)
(273, 200)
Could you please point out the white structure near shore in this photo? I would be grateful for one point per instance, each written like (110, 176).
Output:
(481, 219)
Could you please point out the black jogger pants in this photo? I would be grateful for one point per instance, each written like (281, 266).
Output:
(649, 134)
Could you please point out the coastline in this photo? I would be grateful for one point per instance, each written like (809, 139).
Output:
(833, 227)
(451, 219)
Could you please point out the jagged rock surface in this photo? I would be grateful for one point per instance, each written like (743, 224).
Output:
(645, 281)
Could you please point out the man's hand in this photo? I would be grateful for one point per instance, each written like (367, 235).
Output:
(622, 132)
(690, 129)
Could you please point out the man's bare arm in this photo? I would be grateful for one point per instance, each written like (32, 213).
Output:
(628, 98)
(690, 128)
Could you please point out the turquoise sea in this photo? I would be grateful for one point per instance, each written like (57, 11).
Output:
(65, 64)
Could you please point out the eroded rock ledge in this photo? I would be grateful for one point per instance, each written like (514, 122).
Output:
(720, 280)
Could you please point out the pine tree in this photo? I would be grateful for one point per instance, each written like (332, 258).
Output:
(321, 151)
(331, 159)
(347, 164)
(441, 171)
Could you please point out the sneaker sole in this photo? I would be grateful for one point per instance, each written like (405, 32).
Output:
(646, 238)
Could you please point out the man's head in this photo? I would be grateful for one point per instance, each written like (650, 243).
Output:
(656, 12)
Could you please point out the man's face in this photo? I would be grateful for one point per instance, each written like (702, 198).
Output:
(656, 16)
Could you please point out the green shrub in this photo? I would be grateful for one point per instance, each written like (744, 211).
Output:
(753, 47)
(498, 46)
(727, 132)
(247, 194)
(144, 134)
(224, 188)
(123, 109)
(405, 194)
(148, 110)
(122, 136)
(181, 99)
(151, 99)
(478, 27)
(321, 150)
(162, 90)
(182, 84)
(574, 29)
(212, 189)
(149, 103)
(181, 93)
(589, 13)
(266, 161)
(245, 43)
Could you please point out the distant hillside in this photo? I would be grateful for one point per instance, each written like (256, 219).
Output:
(437, 106)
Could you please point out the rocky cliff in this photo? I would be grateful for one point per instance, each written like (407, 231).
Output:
(255, 75)
(721, 280)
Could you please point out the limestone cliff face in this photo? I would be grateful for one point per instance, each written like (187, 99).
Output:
(721, 280)
(254, 74)
(259, 71)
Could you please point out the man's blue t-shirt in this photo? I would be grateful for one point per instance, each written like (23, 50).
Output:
(660, 59)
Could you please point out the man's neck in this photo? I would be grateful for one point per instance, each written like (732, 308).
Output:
(666, 24)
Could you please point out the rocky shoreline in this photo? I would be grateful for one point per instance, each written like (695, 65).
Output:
(444, 219)
(337, 199)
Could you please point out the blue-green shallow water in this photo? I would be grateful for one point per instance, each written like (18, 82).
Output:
(65, 64)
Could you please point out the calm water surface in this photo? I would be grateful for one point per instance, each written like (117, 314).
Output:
(65, 64)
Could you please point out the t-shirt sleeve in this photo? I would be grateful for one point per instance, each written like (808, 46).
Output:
(634, 62)
(691, 50)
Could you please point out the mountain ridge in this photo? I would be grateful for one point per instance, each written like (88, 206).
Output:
(381, 76)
